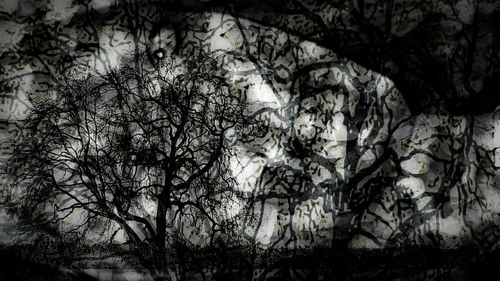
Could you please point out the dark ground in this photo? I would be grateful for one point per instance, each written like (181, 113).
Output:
(322, 264)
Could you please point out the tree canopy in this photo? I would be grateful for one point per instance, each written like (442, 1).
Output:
(145, 147)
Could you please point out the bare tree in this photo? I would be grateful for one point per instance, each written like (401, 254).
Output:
(146, 137)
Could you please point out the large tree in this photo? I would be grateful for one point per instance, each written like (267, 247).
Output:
(144, 148)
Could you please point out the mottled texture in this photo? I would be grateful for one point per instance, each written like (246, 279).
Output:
(374, 125)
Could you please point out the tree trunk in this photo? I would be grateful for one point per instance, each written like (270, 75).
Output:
(160, 249)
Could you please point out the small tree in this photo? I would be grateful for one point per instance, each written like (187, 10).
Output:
(143, 148)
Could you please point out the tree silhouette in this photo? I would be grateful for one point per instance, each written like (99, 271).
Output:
(144, 148)
(377, 127)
